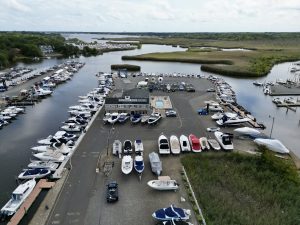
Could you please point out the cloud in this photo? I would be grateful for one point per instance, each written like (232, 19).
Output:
(150, 15)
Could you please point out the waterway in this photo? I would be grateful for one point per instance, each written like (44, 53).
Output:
(46, 117)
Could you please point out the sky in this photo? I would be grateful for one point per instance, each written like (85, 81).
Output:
(150, 15)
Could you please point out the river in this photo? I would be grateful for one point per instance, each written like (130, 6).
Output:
(45, 118)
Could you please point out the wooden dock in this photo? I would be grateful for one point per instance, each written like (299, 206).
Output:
(289, 106)
(17, 217)
(252, 121)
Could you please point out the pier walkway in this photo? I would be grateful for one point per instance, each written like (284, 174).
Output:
(42, 184)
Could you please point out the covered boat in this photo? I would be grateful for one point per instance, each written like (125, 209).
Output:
(139, 165)
(34, 173)
(155, 163)
(272, 144)
(117, 147)
(163, 183)
(172, 213)
(136, 118)
(247, 131)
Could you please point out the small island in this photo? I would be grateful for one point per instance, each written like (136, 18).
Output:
(128, 67)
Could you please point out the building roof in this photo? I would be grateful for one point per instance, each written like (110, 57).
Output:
(136, 93)
(133, 96)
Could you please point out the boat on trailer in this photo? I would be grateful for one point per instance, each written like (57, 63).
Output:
(163, 183)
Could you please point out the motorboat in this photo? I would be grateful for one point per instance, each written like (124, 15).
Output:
(272, 144)
(213, 129)
(256, 83)
(184, 143)
(145, 119)
(50, 156)
(71, 127)
(139, 165)
(81, 123)
(138, 146)
(225, 140)
(127, 147)
(123, 117)
(43, 164)
(51, 139)
(204, 143)
(277, 100)
(136, 118)
(174, 144)
(86, 113)
(153, 119)
(219, 115)
(214, 144)
(62, 148)
(155, 163)
(40, 92)
(172, 213)
(117, 147)
(106, 117)
(65, 135)
(34, 173)
(127, 164)
(163, 145)
(174, 222)
(247, 131)
(19, 195)
(290, 100)
(232, 121)
(215, 108)
(195, 143)
(113, 118)
(163, 183)
(15, 109)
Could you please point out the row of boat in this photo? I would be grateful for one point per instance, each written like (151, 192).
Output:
(9, 113)
(112, 118)
(52, 151)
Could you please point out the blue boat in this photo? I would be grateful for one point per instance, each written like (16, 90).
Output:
(135, 118)
(171, 213)
(123, 118)
(34, 173)
(139, 165)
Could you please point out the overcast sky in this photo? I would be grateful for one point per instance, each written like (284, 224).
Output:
(150, 15)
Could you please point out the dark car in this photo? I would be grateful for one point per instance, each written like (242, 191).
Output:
(171, 113)
(112, 194)
(190, 88)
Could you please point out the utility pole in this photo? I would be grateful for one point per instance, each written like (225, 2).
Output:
(273, 119)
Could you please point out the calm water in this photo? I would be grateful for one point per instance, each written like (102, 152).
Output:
(45, 118)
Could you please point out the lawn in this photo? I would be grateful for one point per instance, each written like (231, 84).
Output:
(235, 189)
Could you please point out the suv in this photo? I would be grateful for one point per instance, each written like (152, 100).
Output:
(112, 194)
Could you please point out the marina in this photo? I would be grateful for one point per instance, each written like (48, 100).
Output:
(85, 157)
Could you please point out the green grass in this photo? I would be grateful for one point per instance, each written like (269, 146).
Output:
(258, 62)
(235, 189)
(129, 67)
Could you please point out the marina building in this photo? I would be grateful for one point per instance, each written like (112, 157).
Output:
(131, 101)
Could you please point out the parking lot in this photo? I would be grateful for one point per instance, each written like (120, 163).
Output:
(83, 198)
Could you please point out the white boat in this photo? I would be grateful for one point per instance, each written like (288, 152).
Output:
(213, 129)
(215, 108)
(50, 156)
(174, 144)
(127, 164)
(43, 164)
(80, 112)
(224, 140)
(106, 117)
(117, 147)
(153, 119)
(204, 144)
(34, 173)
(62, 148)
(214, 144)
(184, 143)
(155, 163)
(65, 135)
(71, 127)
(272, 144)
(163, 183)
(248, 131)
(163, 145)
(138, 146)
(145, 119)
(232, 121)
(219, 115)
(19, 195)
(113, 118)
(139, 165)
(256, 83)
(42, 92)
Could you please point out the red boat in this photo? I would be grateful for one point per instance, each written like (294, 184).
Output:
(195, 143)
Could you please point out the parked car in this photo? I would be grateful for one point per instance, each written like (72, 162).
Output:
(202, 111)
(190, 88)
(112, 193)
(171, 113)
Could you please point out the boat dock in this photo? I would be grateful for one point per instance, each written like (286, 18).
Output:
(289, 106)
(17, 217)
(281, 90)
(252, 120)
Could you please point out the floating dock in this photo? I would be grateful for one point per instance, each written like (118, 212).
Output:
(283, 90)
(22, 211)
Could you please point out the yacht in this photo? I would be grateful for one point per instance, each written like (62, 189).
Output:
(43, 164)
(50, 156)
(225, 121)
(19, 195)
(35, 173)
(225, 140)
